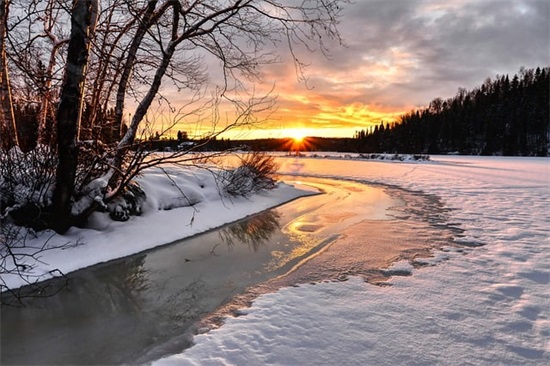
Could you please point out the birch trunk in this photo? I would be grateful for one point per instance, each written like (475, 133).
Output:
(129, 138)
(8, 130)
(143, 26)
(45, 132)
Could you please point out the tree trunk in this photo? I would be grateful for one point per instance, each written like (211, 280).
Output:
(45, 132)
(69, 109)
(130, 135)
(143, 26)
(8, 130)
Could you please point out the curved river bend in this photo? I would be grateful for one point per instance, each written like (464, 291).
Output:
(143, 307)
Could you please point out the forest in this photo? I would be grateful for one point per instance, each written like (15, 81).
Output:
(504, 116)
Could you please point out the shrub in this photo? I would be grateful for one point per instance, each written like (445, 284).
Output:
(26, 184)
(129, 203)
(256, 173)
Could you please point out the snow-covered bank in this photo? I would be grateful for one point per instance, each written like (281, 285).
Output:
(488, 306)
(180, 203)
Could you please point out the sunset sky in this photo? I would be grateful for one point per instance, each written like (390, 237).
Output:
(400, 55)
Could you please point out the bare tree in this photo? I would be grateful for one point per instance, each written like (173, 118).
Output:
(7, 119)
(147, 18)
(36, 41)
(83, 20)
(139, 47)
(222, 29)
(106, 66)
(57, 41)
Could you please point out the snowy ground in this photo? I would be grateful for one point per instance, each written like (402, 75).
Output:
(488, 305)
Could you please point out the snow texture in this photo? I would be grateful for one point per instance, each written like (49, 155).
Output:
(484, 305)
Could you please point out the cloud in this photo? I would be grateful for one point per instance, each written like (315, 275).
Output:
(402, 54)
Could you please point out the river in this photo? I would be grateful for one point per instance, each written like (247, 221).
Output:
(143, 307)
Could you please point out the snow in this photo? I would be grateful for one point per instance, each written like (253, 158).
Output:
(485, 304)
(180, 203)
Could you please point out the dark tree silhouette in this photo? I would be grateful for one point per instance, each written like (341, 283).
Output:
(500, 117)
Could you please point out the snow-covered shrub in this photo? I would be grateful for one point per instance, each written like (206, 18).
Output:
(129, 203)
(26, 184)
(27, 181)
(256, 173)
(93, 157)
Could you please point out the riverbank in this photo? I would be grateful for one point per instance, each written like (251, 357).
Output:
(180, 203)
(484, 300)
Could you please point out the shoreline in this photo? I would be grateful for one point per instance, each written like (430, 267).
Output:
(389, 242)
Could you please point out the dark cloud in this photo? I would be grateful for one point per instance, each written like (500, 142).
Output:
(436, 47)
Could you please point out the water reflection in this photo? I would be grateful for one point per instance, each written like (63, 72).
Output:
(121, 292)
(123, 310)
(101, 308)
(252, 232)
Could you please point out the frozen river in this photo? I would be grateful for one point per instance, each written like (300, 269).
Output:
(145, 306)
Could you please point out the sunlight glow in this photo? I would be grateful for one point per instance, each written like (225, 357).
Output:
(298, 137)
(297, 134)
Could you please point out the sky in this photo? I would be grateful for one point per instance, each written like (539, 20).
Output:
(398, 56)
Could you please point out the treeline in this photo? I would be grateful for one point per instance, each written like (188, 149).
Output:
(267, 144)
(27, 116)
(504, 116)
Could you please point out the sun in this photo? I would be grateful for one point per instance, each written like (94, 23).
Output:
(298, 138)
(297, 134)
